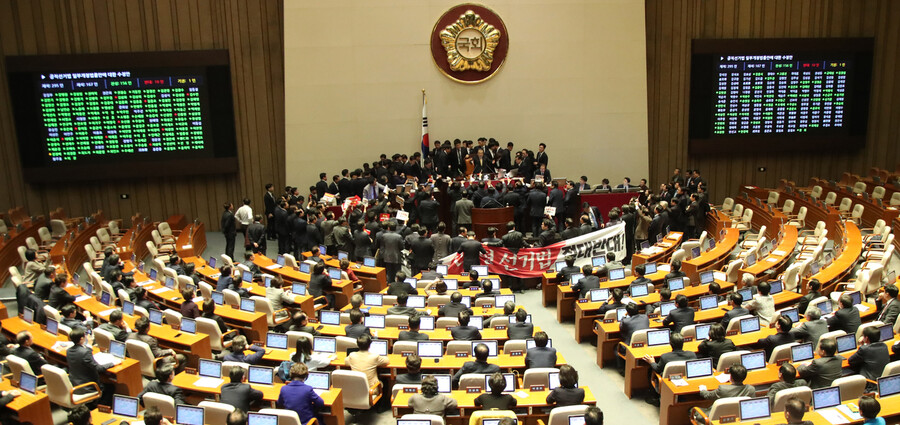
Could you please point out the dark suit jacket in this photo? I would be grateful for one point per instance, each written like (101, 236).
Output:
(845, 319)
(82, 367)
(714, 349)
(520, 330)
(453, 309)
(397, 288)
(319, 283)
(412, 336)
(59, 297)
(240, 395)
(389, 247)
(228, 223)
(422, 253)
(164, 388)
(630, 324)
(679, 318)
(465, 333)
(357, 330)
(822, 371)
(474, 367)
(585, 285)
(34, 359)
(471, 250)
(513, 240)
(769, 343)
(540, 357)
(536, 201)
(731, 314)
(672, 356)
(269, 202)
(549, 237)
(428, 211)
(869, 360)
(804, 301)
(557, 201)
(889, 313)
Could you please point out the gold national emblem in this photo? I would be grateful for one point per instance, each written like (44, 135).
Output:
(470, 43)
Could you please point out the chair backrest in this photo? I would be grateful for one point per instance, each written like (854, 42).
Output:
(500, 321)
(123, 295)
(895, 199)
(845, 204)
(560, 415)
(891, 368)
(173, 318)
(58, 386)
(730, 358)
(44, 234)
(870, 279)
(454, 347)
(206, 290)
(747, 217)
(688, 246)
(727, 204)
(816, 192)
(140, 351)
(859, 187)
(151, 248)
(164, 229)
(436, 300)
(285, 417)
(773, 197)
(263, 305)
(801, 215)
(479, 416)
(639, 336)
(183, 281)
(857, 211)
(733, 271)
(170, 272)
(738, 210)
(57, 228)
(157, 239)
(781, 352)
(215, 412)
(791, 278)
(113, 226)
(158, 264)
(231, 298)
(210, 327)
(537, 376)
(445, 322)
(729, 406)
(227, 366)
(803, 393)
(828, 335)
(610, 314)
(17, 365)
(674, 368)
(400, 347)
(165, 404)
(21, 250)
(102, 338)
(103, 235)
(788, 207)
(354, 388)
(141, 312)
(31, 243)
(242, 267)
(293, 336)
(859, 330)
(435, 419)
(290, 261)
(735, 323)
(473, 380)
(394, 320)
(52, 313)
(514, 345)
(679, 255)
(852, 387)
(343, 343)
(226, 260)
(106, 287)
(96, 244)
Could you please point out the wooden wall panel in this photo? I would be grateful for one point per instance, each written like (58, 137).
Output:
(252, 31)
(672, 24)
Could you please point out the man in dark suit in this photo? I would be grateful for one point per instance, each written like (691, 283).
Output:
(825, 369)
(676, 341)
(540, 158)
(299, 230)
(584, 285)
(321, 185)
(401, 308)
(540, 355)
(681, 316)
(735, 301)
(783, 336)
(270, 203)
(454, 307)
(239, 394)
(320, 284)
(513, 240)
(464, 332)
(356, 328)
(888, 304)
(400, 286)
(634, 321)
(613, 303)
(520, 329)
(582, 184)
(871, 357)
(256, 235)
(571, 230)
(82, 367)
(548, 234)
(428, 211)
(390, 243)
(59, 296)
(847, 318)
(657, 224)
(536, 200)
(422, 251)
(556, 199)
(413, 333)
(471, 250)
(163, 385)
(345, 188)
(25, 352)
(282, 229)
(544, 174)
(229, 228)
(116, 326)
(813, 292)
(504, 157)
(480, 365)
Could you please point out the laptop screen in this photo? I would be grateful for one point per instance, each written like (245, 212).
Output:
(889, 385)
(212, 262)
(334, 274)
(801, 352)
(621, 313)
(247, 276)
(28, 315)
(329, 317)
(370, 262)
(776, 287)
(125, 406)
(188, 415)
(500, 300)
(218, 297)
(482, 270)
(304, 267)
(262, 419)
(248, 305)
(856, 297)
(261, 375)
(156, 317)
(280, 260)
(443, 383)
(277, 340)
(702, 332)
(666, 308)
(27, 382)
(639, 290)
(598, 261)
(52, 326)
(791, 313)
(379, 347)
(750, 324)
(117, 349)
(508, 377)
(319, 380)
(576, 420)
(695, 252)
(707, 277)
(746, 294)
(153, 274)
(170, 283)
(751, 259)
(430, 349)
(826, 397)
(675, 284)
(440, 269)
(558, 266)
(754, 360)
(476, 322)
(846, 343)
(323, 344)
(298, 289)
(512, 318)
(574, 278)
(374, 321)
(755, 408)
(267, 280)
(343, 255)
(601, 294)
(188, 325)
(210, 368)
(105, 297)
(617, 274)
(887, 332)
(649, 268)
(415, 301)
(491, 345)
(660, 337)
(452, 284)
(709, 302)
(824, 307)
(698, 368)
(128, 307)
(372, 299)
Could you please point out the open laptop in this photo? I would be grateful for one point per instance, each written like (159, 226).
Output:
(639, 290)
(753, 361)
(702, 332)
(801, 352)
(675, 284)
(334, 273)
(482, 270)
(324, 344)
(379, 347)
(430, 349)
(452, 284)
(248, 305)
(666, 308)
(370, 262)
(508, 377)
(304, 267)
(512, 318)
(649, 268)
(329, 317)
(188, 325)
(707, 277)
(617, 274)
(189, 415)
(754, 408)
(776, 287)
(657, 337)
(320, 381)
(115, 355)
(156, 316)
(889, 385)
(52, 326)
(374, 321)
(698, 368)
(746, 294)
(826, 397)
(415, 301)
(846, 343)
(709, 302)
(492, 346)
(749, 324)
(426, 323)
(28, 382)
(529, 343)
(500, 300)
(791, 313)
(28, 315)
(373, 299)
(218, 297)
(277, 340)
(598, 261)
(210, 372)
(298, 289)
(125, 406)
(886, 332)
(260, 375)
(254, 418)
(601, 294)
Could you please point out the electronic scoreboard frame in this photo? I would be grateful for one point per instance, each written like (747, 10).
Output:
(741, 98)
(132, 115)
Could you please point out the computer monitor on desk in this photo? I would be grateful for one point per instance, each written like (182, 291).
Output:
(260, 375)
(754, 408)
(125, 406)
(826, 397)
(698, 368)
(189, 415)
(210, 368)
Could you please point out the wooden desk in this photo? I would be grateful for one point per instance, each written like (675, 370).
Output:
(483, 218)
(668, 246)
(606, 201)
(566, 298)
(344, 289)
(433, 311)
(890, 411)
(872, 212)
(714, 258)
(814, 212)
(777, 258)
(762, 217)
(843, 265)
(393, 333)
(29, 408)
(191, 242)
(675, 403)
(332, 397)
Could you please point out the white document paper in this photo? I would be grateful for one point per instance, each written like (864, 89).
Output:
(145, 282)
(402, 215)
(723, 378)
(832, 415)
(848, 413)
(206, 382)
(862, 308)
(106, 313)
(82, 298)
(273, 267)
(679, 382)
(778, 252)
(522, 394)
(772, 260)
(159, 290)
(187, 246)
(719, 275)
(106, 358)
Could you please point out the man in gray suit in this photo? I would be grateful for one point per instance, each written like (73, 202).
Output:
(847, 318)
(83, 369)
(480, 365)
(812, 328)
(163, 385)
(735, 389)
(633, 322)
(888, 304)
(462, 211)
(464, 332)
(520, 329)
(584, 285)
(735, 301)
(401, 308)
(824, 370)
(540, 355)
(389, 244)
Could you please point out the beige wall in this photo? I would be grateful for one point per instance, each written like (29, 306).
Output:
(575, 78)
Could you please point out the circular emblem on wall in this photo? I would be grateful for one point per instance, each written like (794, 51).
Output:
(469, 43)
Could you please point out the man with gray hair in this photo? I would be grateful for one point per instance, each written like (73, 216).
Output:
(847, 318)
(812, 328)
(509, 308)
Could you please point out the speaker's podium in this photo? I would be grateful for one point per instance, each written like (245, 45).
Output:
(483, 218)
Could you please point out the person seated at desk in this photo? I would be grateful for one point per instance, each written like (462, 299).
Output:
(675, 270)
(664, 296)
(413, 373)
(279, 295)
(238, 393)
(190, 270)
(356, 302)
(681, 316)
(869, 408)
(567, 393)
(480, 365)
(614, 302)
(813, 287)
(238, 346)
(68, 313)
(735, 301)
(569, 269)
(794, 409)
(237, 417)
(812, 329)
(356, 328)
(455, 307)
(676, 341)
(400, 286)
(430, 402)
(571, 230)
(763, 305)
(413, 333)
(871, 357)
(509, 308)
(888, 305)
(163, 385)
(300, 323)
(716, 345)
(821, 372)
(716, 289)
(83, 369)
(438, 286)
(548, 235)
(496, 399)
(33, 268)
(142, 327)
(788, 379)
(639, 278)
(189, 308)
(584, 285)
(540, 355)
(736, 389)
(783, 336)
(847, 318)
(632, 322)
(401, 309)
(43, 282)
(116, 326)
(520, 329)
(320, 284)
(464, 332)
(248, 262)
(209, 312)
(487, 289)
(365, 361)
(346, 272)
(25, 352)
(58, 296)
(226, 281)
(80, 415)
(299, 397)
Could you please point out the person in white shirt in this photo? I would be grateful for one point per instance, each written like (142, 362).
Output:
(763, 305)
(243, 217)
